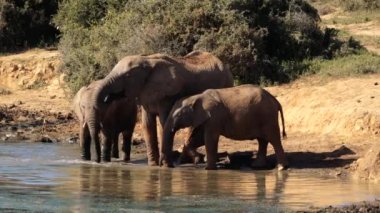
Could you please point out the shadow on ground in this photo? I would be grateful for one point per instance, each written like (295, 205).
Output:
(340, 157)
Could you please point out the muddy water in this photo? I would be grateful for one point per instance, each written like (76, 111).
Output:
(51, 178)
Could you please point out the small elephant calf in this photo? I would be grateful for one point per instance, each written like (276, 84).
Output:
(244, 112)
(119, 116)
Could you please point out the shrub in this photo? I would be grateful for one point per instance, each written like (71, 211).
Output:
(254, 37)
(26, 24)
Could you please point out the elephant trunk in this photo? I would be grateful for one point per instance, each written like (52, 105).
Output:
(85, 143)
(94, 134)
(113, 87)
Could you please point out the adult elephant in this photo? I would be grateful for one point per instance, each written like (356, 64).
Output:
(118, 117)
(157, 81)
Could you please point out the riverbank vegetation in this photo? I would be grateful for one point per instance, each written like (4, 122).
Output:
(263, 42)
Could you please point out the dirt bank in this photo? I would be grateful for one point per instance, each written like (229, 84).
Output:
(330, 124)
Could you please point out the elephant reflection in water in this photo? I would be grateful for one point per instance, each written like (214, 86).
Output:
(137, 184)
(148, 184)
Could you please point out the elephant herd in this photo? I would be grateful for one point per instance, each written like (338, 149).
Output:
(193, 91)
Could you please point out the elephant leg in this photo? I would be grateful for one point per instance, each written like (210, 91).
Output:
(195, 140)
(98, 149)
(211, 142)
(150, 136)
(127, 142)
(107, 145)
(282, 161)
(85, 142)
(260, 161)
(166, 158)
(115, 146)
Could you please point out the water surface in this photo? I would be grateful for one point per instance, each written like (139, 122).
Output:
(51, 178)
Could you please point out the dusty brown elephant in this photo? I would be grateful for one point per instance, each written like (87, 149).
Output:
(244, 112)
(157, 81)
(118, 117)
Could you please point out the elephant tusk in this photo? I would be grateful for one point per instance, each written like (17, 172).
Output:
(173, 130)
(84, 125)
(106, 99)
(101, 125)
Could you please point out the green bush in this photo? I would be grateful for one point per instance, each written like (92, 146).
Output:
(254, 37)
(25, 24)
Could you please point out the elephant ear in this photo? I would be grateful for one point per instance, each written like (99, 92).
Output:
(201, 114)
(165, 80)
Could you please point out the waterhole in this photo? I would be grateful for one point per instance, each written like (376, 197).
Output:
(51, 178)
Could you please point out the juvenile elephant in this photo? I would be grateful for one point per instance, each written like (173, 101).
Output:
(118, 117)
(157, 81)
(244, 112)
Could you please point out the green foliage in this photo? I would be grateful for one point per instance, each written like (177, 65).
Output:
(26, 24)
(256, 38)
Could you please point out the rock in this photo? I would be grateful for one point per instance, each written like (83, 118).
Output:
(18, 103)
(22, 119)
(69, 116)
(45, 139)
(53, 96)
(368, 167)
(376, 83)
(11, 106)
(2, 115)
(72, 140)
(59, 116)
(13, 128)
(137, 141)
(342, 150)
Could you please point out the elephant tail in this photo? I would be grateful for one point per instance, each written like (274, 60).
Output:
(283, 120)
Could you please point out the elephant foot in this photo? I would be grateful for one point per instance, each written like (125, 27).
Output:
(259, 164)
(86, 158)
(167, 165)
(152, 163)
(211, 167)
(281, 167)
(98, 160)
(165, 161)
(199, 159)
(115, 155)
(106, 160)
(127, 158)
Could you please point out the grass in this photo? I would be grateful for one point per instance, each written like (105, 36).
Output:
(4, 91)
(37, 85)
(350, 65)
(356, 17)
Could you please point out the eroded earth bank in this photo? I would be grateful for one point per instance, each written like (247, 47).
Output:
(333, 125)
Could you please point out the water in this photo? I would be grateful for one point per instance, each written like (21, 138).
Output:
(51, 178)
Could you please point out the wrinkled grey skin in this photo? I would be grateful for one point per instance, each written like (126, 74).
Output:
(244, 112)
(157, 81)
(118, 117)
